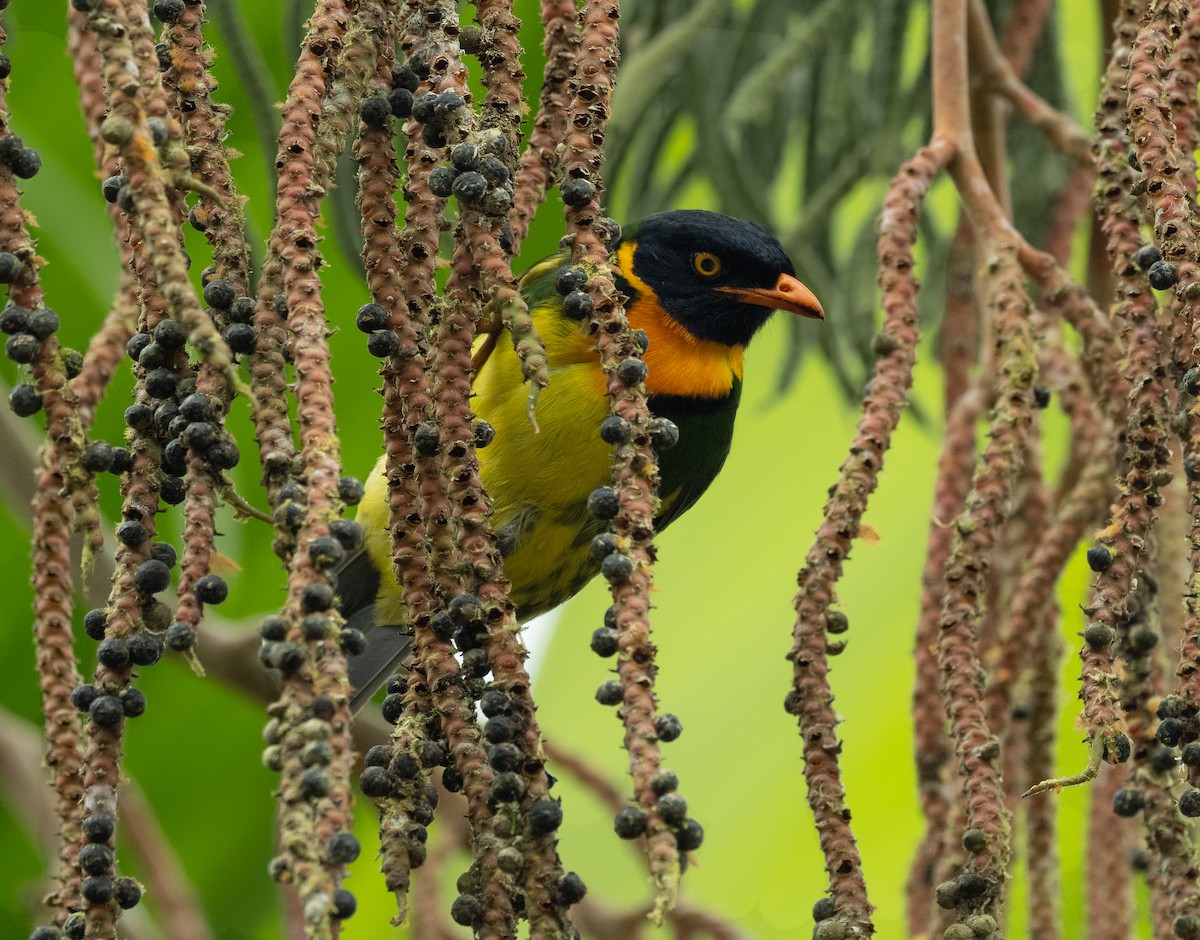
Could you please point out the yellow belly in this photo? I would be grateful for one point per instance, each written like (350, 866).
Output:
(538, 482)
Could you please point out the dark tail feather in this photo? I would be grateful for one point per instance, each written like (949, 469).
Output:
(387, 647)
(387, 644)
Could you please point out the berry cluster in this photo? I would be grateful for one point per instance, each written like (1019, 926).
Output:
(24, 162)
(27, 330)
(477, 175)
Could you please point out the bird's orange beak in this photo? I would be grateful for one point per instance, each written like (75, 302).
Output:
(787, 294)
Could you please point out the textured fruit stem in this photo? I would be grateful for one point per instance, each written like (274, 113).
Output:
(1110, 841)
(190, 86)
(1059, 128)
(477, 555)
(1033, 595)
(317, 694)
(540, 162)
(50, 552)
(635, 467)
(811, 699)
(1041, 833)
(1182, 77)
(931, 749)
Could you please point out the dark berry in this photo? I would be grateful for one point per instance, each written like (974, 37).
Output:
(43, 323)
(97, 457)
(484, 433)
(425, 439)
(133, 703)
(75, 925)
(212, 589)
(111, 186)
(98, 827)
(469, 187)
(1169, 731)
(404, 77)
(173, 490)
(616, 568)
(145, 649)
(668, 726)
(46, 932)
(132, 533)
(610, 692)
(377, 756)
(353, 642)
(24, 400)
(180, 637)
(350, 490)
(466, 610)
(168, 11)
(545, 816)
(223, 455)
(570, 280)
(1189, 803)
(570, 888)
(383, 344)
(152, 576)
(129, 893)
(602, 502)
(344, 904)
(113, 653)
(98, 889)
(1146, 256)
(630, 823)
(220, 294)
(95, 858)
(400, 100)
(1097, 635)
(371, 317)
(494, 702)
(494, 171)
(342, 848)
(578, 304)
(466, 910)
(605, 642)
(664, 434)
(447, 103)
(240, 338)
(577, 193)
(1127, 802)
(14, 320)
(375, 111)
(106, 711)
(317, 596)
(242, 310)
(615, 430)
(1099, 558)
(505, 788)
(348, 532)
(631, 371)
(1190, 755)
(316, 782)
(174, 457)
(392, 708)
(10, 267)
(315, 627)
(1162, 275)
(95, 622)
(152, 356)
(504, 757)
(442, 180)
(423, 106)
(375, 782)
(25, 163)
(1163, 760)
(465, 156)
(22, 348)
(82, 696)
(498, 729)
(672, 808)
(161, 383)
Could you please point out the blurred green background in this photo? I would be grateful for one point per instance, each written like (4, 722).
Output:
(726, 575)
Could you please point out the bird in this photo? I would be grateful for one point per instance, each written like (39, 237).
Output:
(699, 285)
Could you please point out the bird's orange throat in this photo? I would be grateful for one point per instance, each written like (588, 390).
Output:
(679, 363)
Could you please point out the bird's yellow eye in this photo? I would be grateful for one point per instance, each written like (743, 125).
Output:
(706, 263)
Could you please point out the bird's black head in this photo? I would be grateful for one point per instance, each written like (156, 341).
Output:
(717, 276)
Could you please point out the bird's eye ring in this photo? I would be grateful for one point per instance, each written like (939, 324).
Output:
(706, 263)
